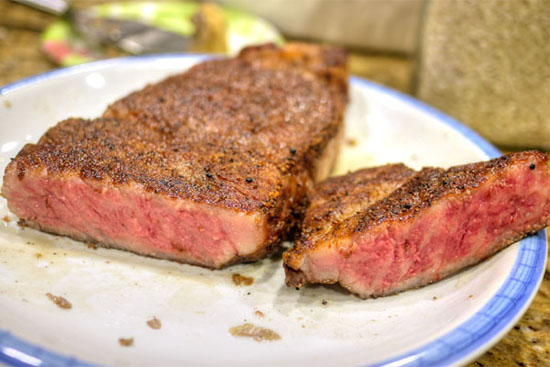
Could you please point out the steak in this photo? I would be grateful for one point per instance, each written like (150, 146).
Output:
(208, 167)
(384, 230)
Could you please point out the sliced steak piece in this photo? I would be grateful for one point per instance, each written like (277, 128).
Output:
(208, 167)
(419, 228)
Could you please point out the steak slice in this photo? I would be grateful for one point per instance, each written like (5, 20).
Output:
(418, 228)
(208, 167)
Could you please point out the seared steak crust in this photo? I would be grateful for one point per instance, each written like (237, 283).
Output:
(432, 184)
(337, 200)
(244, 135)
(432, 225)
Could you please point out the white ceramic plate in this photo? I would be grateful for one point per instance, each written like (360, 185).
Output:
(114, 293)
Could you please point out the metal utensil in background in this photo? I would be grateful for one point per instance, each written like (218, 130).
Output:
(57, 7)
(129, 35)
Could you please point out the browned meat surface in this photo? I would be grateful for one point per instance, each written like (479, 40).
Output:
(208, 167)
(429, 225)
(337, 199)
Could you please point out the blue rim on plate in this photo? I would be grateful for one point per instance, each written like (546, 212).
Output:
(464, 342)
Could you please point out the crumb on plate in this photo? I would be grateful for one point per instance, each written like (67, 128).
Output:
(61, 302)
(257, 333)
(239, 279)
(126, 342)
(154, 323)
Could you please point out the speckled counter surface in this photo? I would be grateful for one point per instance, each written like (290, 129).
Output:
(527, 343)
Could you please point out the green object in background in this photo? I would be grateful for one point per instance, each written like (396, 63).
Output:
(58, 31)
(66, 48)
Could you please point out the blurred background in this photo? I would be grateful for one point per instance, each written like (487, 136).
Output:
(485, 63)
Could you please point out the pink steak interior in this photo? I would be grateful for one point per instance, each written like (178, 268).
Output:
(130, 218)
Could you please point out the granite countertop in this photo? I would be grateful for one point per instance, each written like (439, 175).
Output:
(527, 343)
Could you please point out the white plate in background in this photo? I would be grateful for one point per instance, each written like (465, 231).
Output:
(114, 293)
